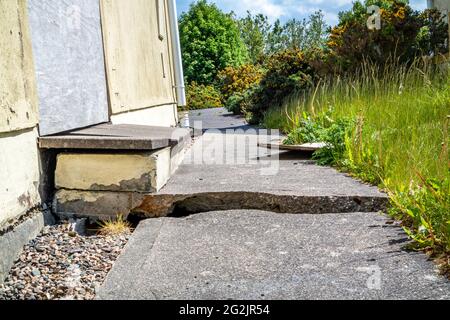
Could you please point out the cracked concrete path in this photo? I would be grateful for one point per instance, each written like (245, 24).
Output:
(347, 252)
(247, 254)
(227, 170)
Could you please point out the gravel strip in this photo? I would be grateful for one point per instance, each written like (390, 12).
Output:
(61, 264)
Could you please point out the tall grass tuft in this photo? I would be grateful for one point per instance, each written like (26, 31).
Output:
(398, 137)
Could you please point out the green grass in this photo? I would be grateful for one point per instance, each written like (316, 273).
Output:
(388, 127)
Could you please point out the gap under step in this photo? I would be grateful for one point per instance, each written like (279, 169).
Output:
(106, 204)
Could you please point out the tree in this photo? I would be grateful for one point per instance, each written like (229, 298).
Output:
(275, 38)
(317, 31)
(254, 32)
(295, 33)
(210, 41)
(302, 34)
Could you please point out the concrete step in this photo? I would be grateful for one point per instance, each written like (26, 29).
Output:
(100, 184)
(128, 172)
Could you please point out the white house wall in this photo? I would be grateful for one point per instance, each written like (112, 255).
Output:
(68, 54)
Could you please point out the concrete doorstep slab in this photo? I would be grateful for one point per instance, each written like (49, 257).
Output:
(247, 254)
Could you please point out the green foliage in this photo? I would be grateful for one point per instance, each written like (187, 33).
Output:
(309, 130)
(404, 34)
(235, 80)
(334, 137)
(433, 34)
(200, 96)
(301, 34)
(287, 72)
(323, 129)
(426, 212)
(254, 32)
(241, 102)
(275, 38)
(210, 41)
(390, 128)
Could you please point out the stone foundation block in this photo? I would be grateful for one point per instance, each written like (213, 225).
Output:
(126, 172)
(97, 205)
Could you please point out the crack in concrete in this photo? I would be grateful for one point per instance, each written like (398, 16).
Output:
(180, 205)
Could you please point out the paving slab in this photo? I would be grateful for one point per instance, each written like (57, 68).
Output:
(117, 137)
(247, 254)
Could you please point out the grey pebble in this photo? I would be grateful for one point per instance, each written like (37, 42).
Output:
(43, 269)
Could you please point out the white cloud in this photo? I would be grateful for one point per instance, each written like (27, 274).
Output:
(285, 9)
(336, 3)
(270, 8)
(331, 18)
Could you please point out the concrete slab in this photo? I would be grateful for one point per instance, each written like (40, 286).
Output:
(261, 255)
(232, 161)
(277, 143)
(289, 177)
(117, 137)
(132, 172)
(249, 254)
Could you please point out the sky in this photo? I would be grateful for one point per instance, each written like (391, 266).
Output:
(286, 9)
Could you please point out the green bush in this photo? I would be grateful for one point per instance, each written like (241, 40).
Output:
(309, 130)
(287, 72)
(236, 80)
(242, 102)
(323, 129)
(201, 96)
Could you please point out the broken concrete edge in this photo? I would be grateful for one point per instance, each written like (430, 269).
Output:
(104, 205)
(160, 205)
(16, 237)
